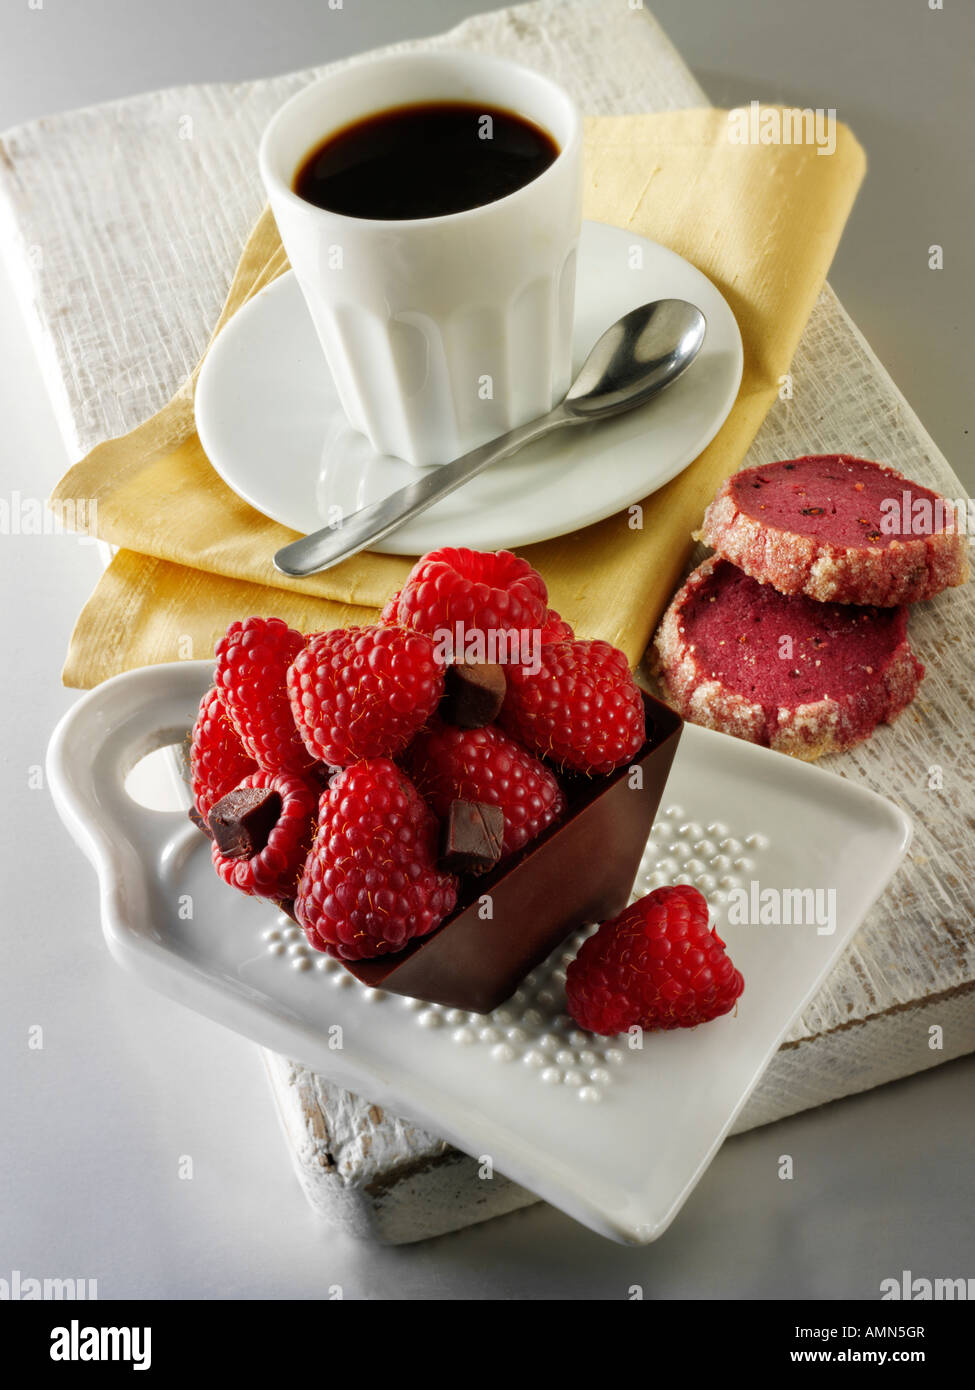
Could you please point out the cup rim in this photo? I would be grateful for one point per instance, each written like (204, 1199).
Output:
(273, 182)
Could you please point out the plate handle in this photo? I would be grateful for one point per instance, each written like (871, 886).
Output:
(103, 736)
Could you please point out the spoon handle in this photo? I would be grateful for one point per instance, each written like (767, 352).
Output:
(332, 544)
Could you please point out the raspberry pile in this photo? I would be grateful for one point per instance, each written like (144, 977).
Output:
(338, 773)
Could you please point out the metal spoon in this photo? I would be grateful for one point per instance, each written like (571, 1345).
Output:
(642, 353)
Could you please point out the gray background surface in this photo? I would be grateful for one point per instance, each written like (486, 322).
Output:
(92, 1127)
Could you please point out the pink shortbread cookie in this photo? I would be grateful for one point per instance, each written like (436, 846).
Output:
(839, 529)
(802, 677)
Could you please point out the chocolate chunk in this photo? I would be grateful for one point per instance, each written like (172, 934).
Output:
(199, 822)
(473, 694)
(242, 821)
(471, 837)
(287, 906)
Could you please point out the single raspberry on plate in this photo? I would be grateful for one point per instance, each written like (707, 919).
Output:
(450, 764)
(363, 692)
(556, 629)
(370, 883)
(484, 590)
(583, 709)
(252, 662)
(217, 757)
(654, 966)
(274, 871)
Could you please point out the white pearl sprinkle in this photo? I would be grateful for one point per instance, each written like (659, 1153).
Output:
(532, 1026)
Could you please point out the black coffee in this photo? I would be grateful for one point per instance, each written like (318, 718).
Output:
(424, 161)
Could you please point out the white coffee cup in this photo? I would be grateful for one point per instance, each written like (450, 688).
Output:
(440, 332)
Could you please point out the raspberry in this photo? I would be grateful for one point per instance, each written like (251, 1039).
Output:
(274, 871)
(371, 883)
(450, 764)
(583, 709)
(252, 661)
(482, 589)
(217, 757)
(387, 618)
(654, 966)
(556, 629)
(363, 692)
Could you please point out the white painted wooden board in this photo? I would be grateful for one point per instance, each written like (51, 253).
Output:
(122, 302)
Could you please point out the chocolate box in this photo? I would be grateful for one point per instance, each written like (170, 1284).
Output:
(577, 872)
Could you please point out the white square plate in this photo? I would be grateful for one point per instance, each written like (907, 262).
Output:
(615, 1137)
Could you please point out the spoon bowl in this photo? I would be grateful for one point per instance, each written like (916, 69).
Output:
(641, 353)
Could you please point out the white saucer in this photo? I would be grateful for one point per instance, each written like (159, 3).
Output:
(271, 425)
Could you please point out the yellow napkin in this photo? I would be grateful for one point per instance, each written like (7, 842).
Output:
(762, 221)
